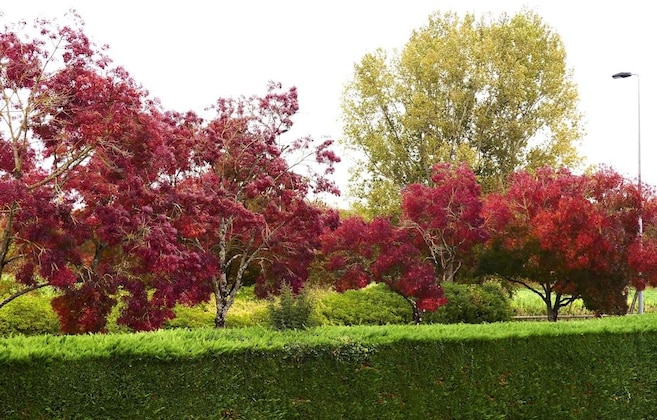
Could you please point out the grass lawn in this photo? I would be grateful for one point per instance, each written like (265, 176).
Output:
(526, 302)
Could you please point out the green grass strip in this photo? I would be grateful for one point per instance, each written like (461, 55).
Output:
(192, 344)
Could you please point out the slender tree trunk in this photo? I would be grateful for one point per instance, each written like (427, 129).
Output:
(552, 309)
(552, 314)
(5, 242)
(222, 305)
(220, 317)
(449, 271)
(417, 312)
(220, 285)
(222, 300)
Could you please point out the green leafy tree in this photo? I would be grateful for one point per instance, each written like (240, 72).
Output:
(493, 92)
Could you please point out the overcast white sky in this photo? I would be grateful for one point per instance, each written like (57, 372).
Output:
(190, 53)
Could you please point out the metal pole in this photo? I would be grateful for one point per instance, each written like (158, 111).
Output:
(623, 75)
(640, 186)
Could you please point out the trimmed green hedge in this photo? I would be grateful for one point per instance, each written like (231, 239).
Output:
(597, 369)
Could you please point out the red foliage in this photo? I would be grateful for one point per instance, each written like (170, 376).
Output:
(244, 201)
(571, 234)
(104, 194)
(52, 84)
(440, 224)
(359, 253)
(83, 309)
(447, 216)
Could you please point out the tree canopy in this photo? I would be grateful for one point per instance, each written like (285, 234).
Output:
(446, 215)
(111, 200)
(359, 252)
(567, 236)
(245, 205)
(493, 92)
(438, 227)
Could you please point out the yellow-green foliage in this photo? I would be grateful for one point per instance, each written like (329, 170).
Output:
(375, 304)
(246, 311)
(290, 311)
(30, 314)
(461, 80)
(198, 316)
(472, 304)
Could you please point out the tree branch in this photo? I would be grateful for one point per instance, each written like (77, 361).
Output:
(22, 292)
(75, 160)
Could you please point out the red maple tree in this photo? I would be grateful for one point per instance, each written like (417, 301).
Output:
(61, 105)
(129, 246)
(358, 253)
(565, 237)
(447, 217)
(438, 227)
(246, 203)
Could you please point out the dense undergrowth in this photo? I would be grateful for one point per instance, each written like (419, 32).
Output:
(375, 305)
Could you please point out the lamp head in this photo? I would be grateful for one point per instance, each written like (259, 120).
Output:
(622, 75)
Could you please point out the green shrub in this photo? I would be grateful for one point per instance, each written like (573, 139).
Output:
(290, 311)
(30, 315)
(248, 314)
(375, 304)
(198, 316)
(247, 310)
(7, 286)
(472, 304)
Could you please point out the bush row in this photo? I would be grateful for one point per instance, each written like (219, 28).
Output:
(373, 305)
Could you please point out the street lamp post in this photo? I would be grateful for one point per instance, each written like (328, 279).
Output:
(624, 75)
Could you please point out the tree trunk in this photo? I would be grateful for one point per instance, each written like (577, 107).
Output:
(222, 298)
(552, 308)
(552, 314)
(449, 272)
(220, 318)
(417, 313)
(223, 303)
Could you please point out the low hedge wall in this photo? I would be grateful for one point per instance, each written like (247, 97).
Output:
(595, 369)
